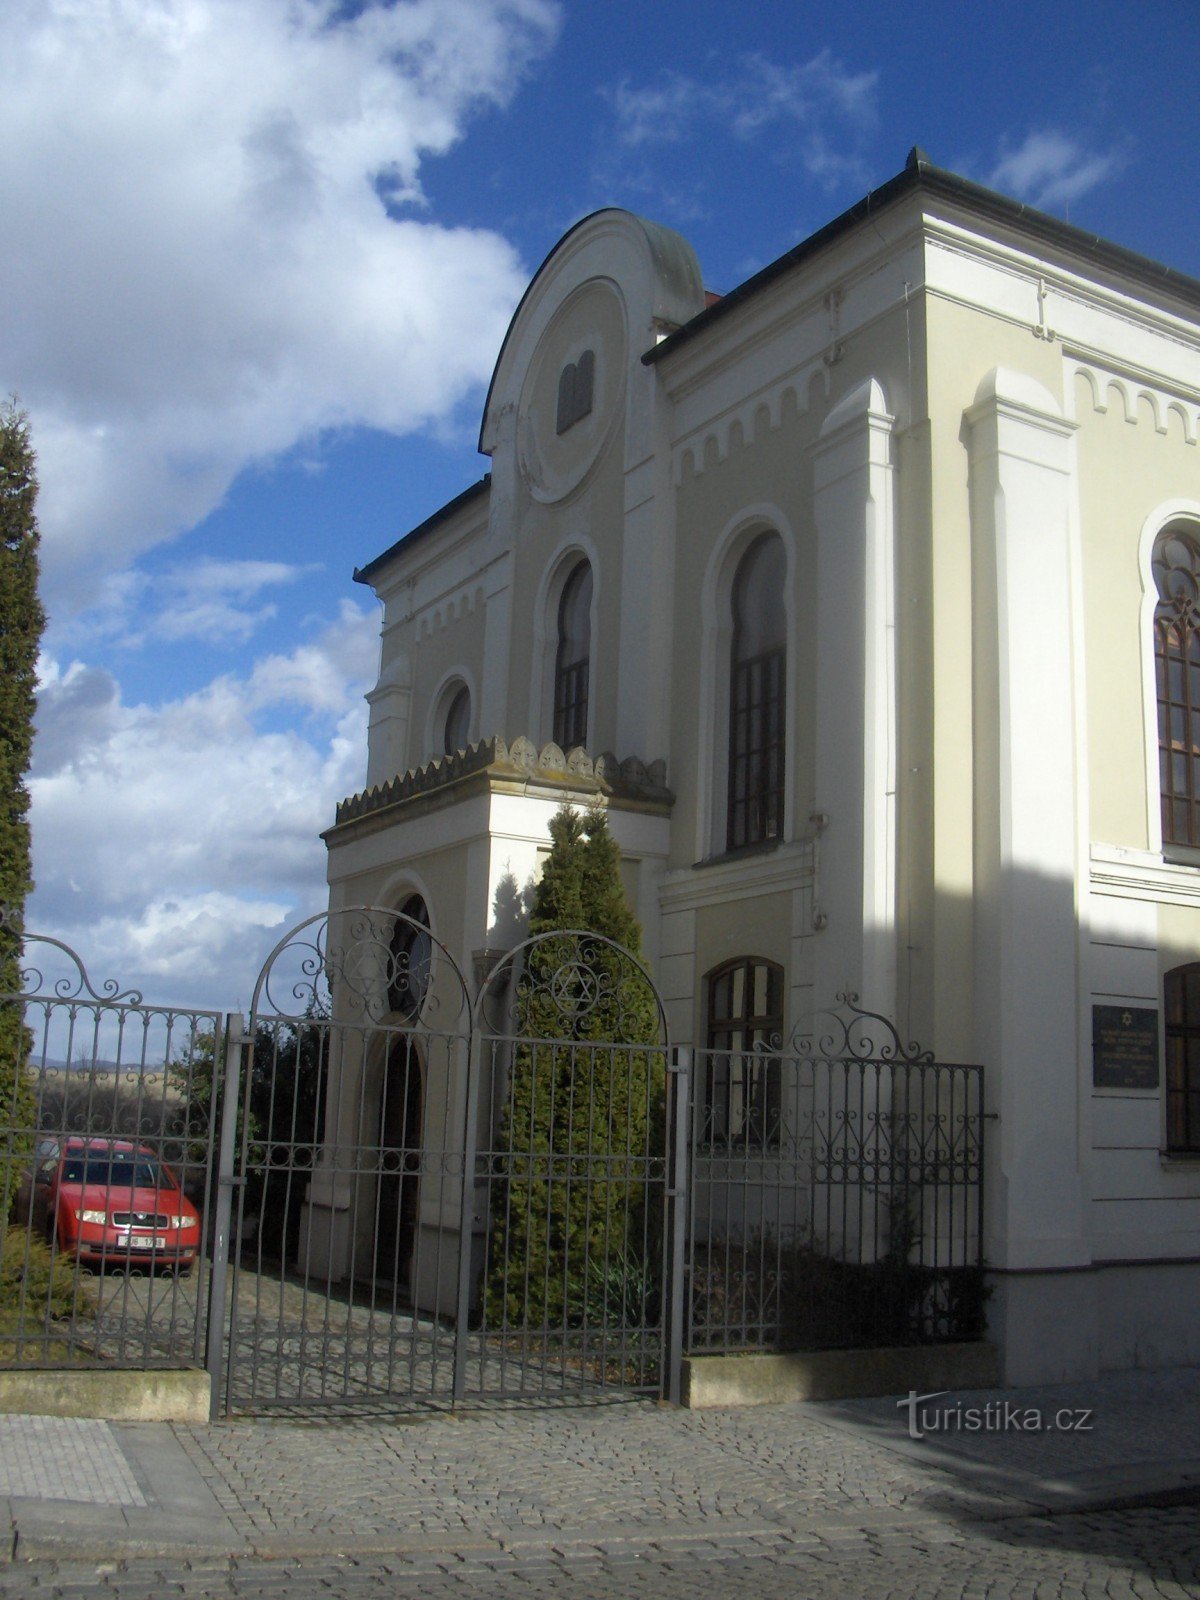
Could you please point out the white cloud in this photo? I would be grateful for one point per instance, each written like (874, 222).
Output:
(173, 843)
(1051, 170)
(828, 108)
(195, 237)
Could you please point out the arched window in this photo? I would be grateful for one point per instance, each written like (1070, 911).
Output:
(457, 729)
(758, 668)
(572, 658)
(1181, 996)
(411, 953)
(745, 1032)
(1176, 568)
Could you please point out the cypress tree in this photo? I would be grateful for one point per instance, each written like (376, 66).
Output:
(21, 621)
(571, 1241)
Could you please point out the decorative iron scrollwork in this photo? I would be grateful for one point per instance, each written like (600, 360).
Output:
(572, 985)
(847, 1038)
(366, 964)
(75, 985)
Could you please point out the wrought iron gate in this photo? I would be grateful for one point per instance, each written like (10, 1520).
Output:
(436, 1202)
(382, 1194)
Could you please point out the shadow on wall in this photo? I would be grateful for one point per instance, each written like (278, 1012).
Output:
(510, 912)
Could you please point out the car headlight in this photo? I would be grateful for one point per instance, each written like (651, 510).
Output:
(94, 1216)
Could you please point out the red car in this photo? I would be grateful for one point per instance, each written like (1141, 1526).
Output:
(110, 1201)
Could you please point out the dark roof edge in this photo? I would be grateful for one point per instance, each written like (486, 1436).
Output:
(365, 574)
(920, 173)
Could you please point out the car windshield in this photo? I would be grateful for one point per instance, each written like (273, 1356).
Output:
(117, 1172)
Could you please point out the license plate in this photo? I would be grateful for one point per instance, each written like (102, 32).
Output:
(141, 1241)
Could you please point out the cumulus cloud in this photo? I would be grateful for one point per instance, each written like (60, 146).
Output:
(826, 105)
(175, 841)
(1051, 170)
(214, 233)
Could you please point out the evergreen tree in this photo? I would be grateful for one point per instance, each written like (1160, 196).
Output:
(572, 1241)
(21, 621)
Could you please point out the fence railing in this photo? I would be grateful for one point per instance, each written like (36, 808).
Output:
(107, 1133)
(541, 1199)
(842, 1210)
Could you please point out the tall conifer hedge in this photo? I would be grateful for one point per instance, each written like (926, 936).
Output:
(572, 1242)
(21, 621)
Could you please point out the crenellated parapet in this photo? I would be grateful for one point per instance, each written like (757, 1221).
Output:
(572, 772)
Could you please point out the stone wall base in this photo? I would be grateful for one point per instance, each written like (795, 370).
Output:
(749, 1380)
(115, 1395)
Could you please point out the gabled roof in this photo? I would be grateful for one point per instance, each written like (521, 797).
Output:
(921, 175)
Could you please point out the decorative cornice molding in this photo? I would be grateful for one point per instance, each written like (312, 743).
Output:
(1142, 875)
(572, 772)
(756, 416)
(1131, 391)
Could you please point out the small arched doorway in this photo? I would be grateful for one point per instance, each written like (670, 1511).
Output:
(400, 1162)
(401, 1099)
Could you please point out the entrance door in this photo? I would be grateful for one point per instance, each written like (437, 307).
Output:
(400, 1163)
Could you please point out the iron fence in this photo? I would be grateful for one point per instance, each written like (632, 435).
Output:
(106, 1167)
(378, 1193)
(841, 1205)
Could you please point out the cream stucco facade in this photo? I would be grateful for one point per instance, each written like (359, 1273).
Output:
(966, 425)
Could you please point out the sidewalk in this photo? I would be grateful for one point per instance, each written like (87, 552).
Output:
(631, 1475)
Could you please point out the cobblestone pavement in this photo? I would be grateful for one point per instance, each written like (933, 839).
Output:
(633, 1499)
(1099, 1556)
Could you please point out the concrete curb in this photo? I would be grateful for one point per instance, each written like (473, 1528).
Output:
(112, 1395)
(755, 1380)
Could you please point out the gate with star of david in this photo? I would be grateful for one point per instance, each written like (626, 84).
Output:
(428, 1197)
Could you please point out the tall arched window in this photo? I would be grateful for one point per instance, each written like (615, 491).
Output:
(572, 658)
(1181, 996)
(758, 670)
(1176, 568)
(456, 730)
(745, 1031)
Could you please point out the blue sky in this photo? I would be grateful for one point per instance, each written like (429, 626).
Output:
(261, 254)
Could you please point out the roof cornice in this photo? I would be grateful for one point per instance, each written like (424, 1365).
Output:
(920, 176)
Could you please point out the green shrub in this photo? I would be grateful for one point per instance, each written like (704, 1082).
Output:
(584, 1104)
(38, 1287)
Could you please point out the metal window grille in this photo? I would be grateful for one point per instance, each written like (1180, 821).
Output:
(1176, 568)
(756, 750)
(572, 659)
(1182, 1004)
(741, 1082)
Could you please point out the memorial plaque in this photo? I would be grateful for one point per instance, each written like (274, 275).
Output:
(1124, 1047)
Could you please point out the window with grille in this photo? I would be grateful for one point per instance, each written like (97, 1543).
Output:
(1181, 997)
(1176, 568)
(757, 696)
(572, 659)
(741, 1105)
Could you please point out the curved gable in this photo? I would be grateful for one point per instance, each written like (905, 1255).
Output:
(650, 271)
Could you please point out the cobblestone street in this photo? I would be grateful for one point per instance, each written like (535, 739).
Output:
(1102, 1556)
(632, 1499)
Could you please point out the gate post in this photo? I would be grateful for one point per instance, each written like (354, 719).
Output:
(679, 1121)
(235, 1039)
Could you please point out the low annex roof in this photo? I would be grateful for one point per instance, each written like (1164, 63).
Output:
(423, 529)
